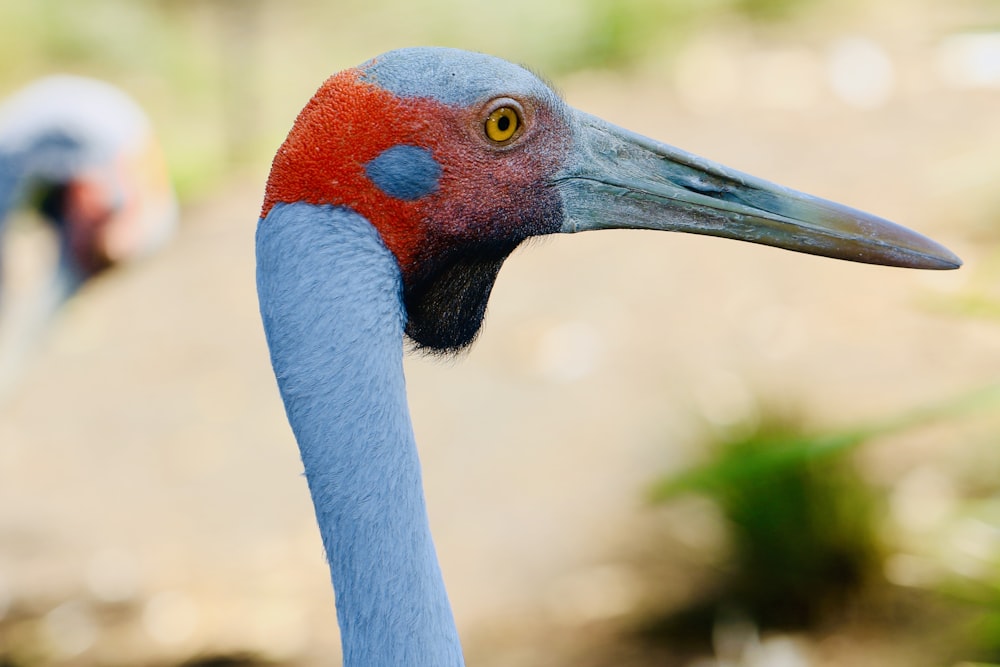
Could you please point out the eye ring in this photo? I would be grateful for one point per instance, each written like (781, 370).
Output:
(503, 124)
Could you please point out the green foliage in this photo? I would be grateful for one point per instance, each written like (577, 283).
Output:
(620, 33)
(802, 533)
(617, 34)
(771, 10)
(803, 529)
(768, 444)
(801, 521)
(751, 451)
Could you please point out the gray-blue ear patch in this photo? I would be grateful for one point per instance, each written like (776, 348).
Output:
(405, 172)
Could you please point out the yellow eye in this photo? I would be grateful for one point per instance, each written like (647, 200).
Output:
(502, 124)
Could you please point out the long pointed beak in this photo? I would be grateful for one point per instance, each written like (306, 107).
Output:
(619, 179)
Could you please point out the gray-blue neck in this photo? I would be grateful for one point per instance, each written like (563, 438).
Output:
(25, 317)
(330, 299)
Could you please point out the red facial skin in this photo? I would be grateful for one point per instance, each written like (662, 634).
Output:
(88, 212)
(487, 193)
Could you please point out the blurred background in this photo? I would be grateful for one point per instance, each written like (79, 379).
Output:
(663, 450)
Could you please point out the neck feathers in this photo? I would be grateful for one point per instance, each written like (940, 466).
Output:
(330, 299)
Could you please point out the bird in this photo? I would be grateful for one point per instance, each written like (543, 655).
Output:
(401, 188)
(83, 154)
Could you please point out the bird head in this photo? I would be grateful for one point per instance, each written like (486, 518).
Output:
(116, 211)
(456, 158)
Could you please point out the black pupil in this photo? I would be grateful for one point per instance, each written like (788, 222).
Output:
(503, 123)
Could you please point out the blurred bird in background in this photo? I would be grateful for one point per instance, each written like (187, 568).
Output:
(83, 155)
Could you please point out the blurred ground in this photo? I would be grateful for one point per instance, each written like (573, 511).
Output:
(151, 506)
